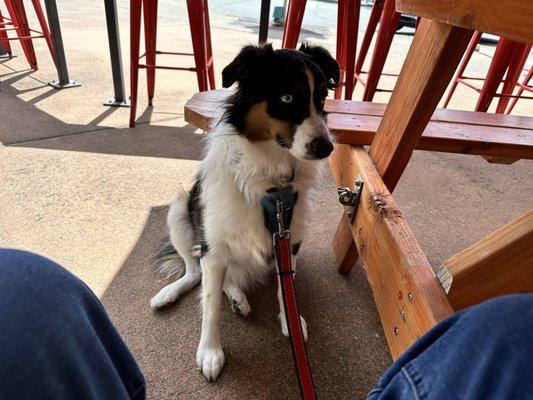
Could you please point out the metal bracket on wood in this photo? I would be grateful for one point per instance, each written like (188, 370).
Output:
(350, 198)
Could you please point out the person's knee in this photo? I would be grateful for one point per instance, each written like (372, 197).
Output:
(25, 275)
(502, 315)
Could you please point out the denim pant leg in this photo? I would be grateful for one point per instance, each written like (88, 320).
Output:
(481, 353)
(56, 340)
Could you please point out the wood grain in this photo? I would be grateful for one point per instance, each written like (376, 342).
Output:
(431, 61)
(511, 19)
(408, 296)
(501, 263)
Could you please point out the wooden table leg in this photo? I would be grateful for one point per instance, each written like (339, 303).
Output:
(432, 59)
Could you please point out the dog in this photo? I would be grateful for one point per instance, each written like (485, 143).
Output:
(272, 134)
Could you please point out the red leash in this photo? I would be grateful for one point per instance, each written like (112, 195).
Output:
(282, 245)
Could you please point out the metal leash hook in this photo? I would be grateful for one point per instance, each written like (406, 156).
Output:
(350, 198)
(282, 233)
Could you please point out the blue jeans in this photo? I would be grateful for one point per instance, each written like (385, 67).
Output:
(57, 342)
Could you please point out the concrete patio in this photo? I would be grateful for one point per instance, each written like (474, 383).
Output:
(81, 188)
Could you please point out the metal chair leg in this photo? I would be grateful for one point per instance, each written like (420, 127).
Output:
(135, 37)
(387, 29)
(518, 60)
(466, 58)
(150, 39)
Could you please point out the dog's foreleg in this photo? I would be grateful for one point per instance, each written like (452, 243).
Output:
(281, 316)
(210, 356)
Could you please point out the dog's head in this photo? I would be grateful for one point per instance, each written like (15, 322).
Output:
(280, 97)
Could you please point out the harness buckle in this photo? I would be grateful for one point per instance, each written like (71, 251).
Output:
(350, 198)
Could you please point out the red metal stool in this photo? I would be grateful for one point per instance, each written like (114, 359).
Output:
(509, 57)
(347, 26)
(523, 86)
(4, 39)
(201, 42)
(19, 22)
(383, 11)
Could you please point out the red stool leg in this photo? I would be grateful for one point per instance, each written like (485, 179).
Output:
(210, 60)
(464, 62)
(352, 27)
(340, 50)
(498, 66)
(293, 23)
(387, 29)
(375, 15)
(150, 39)
(196, 24)
(44, 27)
(18, 16)
(518, 60)
(521, 90)
(4, 38)
(135, 38)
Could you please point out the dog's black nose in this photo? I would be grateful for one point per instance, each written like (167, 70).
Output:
(321, 147)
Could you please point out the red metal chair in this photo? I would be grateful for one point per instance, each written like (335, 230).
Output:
(201, 42)
(347, 26)
(19, 22)
(4, 39)
(387, 28)
(523, 86)
(509, 57)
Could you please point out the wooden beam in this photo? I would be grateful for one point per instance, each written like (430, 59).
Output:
(508, 18)
(408, 296)
(448, 137)
(502, 137)
(207, 103)
(501, 263)
(431, 61)
(345, 257)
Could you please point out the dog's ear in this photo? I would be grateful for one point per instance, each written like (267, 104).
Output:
(321, 57)
(247, 61)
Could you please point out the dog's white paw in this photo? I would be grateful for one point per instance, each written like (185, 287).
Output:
(166, 296)
(285, 328)
(239, 304)
(210, 360)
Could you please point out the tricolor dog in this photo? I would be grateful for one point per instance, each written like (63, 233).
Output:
(271, 135)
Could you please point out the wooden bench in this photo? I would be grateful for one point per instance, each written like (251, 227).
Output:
(500, 138)
(409, 296)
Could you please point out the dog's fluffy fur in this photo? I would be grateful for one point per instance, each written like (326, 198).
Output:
(272, 135)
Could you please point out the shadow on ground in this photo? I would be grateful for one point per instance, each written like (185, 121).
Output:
(343, 327)
(31, 127)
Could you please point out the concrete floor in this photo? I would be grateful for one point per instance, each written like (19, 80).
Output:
(81, 188)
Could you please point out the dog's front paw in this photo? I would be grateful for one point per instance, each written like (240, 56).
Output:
(210, 360)
(166, 296)
(285, 328)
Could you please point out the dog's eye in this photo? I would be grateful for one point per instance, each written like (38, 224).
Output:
(286, 98)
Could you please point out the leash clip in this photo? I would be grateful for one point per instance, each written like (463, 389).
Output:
(282, 233)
